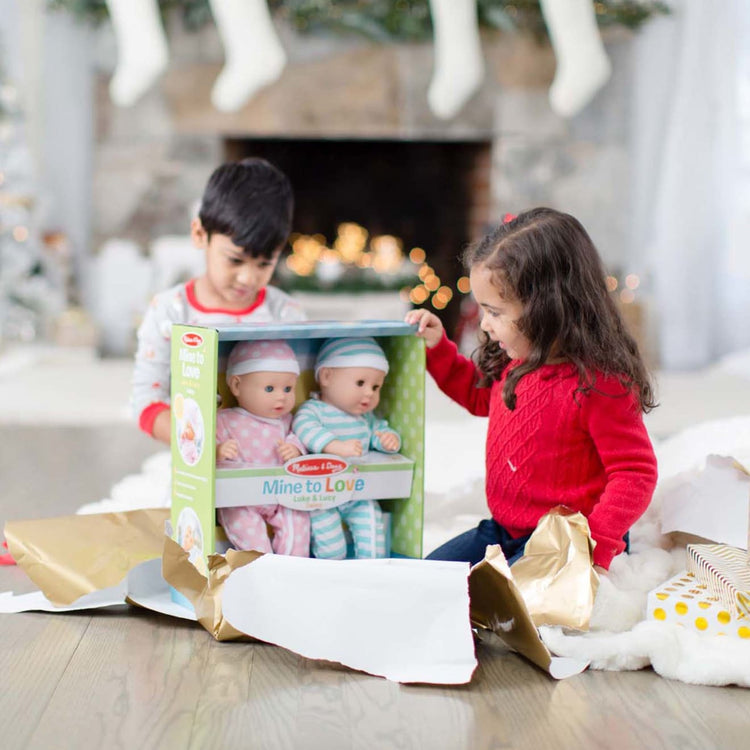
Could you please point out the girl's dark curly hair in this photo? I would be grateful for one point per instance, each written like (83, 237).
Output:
(546, 260)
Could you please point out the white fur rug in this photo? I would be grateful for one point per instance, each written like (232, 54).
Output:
(620, 638)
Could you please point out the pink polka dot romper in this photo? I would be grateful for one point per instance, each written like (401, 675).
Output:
(245, 526)
(257, 439)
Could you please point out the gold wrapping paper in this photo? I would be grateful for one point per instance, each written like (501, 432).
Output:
(556, 575)
(205, 593)
(70, 556)
(497, 605)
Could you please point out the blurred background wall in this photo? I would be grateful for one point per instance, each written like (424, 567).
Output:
(655, 165)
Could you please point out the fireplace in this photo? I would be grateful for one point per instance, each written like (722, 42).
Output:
(433, 195)
(350, 122)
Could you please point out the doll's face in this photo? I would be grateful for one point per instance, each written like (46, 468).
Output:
(265, 394)
(355, 390)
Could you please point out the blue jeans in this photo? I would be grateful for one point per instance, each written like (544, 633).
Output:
(470, 546)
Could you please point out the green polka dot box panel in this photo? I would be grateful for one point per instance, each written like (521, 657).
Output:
(684, 601)
(403, 401)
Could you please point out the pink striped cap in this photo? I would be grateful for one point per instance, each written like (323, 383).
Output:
(261, 356)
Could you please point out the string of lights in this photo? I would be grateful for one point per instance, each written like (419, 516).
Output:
(358, 262)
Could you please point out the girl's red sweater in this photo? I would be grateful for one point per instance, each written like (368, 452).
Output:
(589, 452)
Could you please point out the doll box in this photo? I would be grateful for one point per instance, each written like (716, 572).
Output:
(313, 481)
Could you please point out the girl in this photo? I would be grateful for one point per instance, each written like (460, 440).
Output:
(561, 381)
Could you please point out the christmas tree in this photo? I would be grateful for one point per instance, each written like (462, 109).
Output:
(32, 282)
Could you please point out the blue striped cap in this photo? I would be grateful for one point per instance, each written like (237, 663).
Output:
(362, 352)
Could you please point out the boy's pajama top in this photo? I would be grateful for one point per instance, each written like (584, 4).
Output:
(151, 375)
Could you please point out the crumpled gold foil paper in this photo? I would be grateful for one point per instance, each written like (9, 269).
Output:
(497, 605)
(205, 593)
(70, 556)
(556, 575)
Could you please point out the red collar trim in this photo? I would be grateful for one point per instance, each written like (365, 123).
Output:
(193, 302)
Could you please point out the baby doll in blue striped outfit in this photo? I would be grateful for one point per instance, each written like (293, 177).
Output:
(340, 420)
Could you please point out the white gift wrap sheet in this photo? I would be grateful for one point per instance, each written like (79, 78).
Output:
(406, 620)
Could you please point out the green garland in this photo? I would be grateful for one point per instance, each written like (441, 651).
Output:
(387, 20)
(349, 283)
(195, 13)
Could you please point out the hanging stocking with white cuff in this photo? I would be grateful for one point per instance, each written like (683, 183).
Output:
(142, 52)
(254, 56)
(459, 67)
(582, 64)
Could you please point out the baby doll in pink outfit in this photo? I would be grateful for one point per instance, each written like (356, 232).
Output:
(261, 375)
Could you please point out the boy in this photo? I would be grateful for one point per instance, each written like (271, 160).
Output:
(243, 225)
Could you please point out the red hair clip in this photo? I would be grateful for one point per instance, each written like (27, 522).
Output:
(508, 217)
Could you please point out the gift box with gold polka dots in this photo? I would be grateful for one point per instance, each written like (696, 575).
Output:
(683, 600)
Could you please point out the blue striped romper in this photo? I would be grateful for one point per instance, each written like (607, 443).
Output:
(316, 424)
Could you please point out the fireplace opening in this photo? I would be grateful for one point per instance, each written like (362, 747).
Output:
(433, 195)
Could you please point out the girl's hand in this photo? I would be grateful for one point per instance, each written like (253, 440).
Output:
(429, 326)
(600, 570)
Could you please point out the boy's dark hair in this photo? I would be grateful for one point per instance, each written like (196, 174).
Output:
(251, 202)
(546, 260)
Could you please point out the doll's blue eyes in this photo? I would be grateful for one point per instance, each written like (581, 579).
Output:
(287, 389)
(269, 389)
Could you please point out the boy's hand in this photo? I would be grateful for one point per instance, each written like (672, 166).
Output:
(389, 440)
(429, 326)
(288, 451)
(162, 429)
(228, 451)
(344, 448)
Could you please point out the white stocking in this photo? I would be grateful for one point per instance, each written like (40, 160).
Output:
(582, 64)
(459, 67)
(141, 48)
(253, 53)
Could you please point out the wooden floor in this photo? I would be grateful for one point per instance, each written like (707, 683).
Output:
(132, 679)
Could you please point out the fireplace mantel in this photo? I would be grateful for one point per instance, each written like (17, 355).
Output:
(362, 91)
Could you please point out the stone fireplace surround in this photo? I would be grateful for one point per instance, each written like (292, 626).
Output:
(505, 151)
